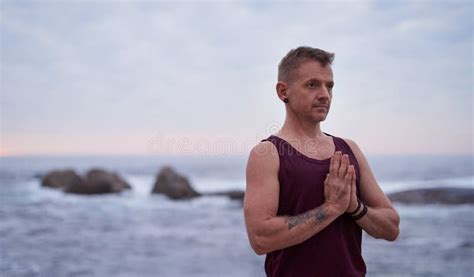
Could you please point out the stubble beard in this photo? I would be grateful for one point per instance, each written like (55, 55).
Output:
(320, 117)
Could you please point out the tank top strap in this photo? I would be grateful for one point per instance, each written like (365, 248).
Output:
(279, 144)
(341, 145)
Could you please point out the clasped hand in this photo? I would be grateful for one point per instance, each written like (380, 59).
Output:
(340, 184)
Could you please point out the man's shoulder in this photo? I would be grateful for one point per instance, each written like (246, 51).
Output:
(350, 142)
(263, 146)
(353, 146)
(263, 157)
(265, 149)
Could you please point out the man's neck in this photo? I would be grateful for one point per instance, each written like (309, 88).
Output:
(300, 129)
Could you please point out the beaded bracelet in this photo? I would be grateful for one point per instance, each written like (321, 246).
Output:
(361, 214)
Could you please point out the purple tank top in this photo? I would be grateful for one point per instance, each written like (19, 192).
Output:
(335, 250)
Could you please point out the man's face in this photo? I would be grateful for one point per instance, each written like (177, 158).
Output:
(310, 91)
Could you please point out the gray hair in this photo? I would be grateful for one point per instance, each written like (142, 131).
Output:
(297, 56)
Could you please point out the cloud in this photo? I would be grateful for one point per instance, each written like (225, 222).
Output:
(208, 69)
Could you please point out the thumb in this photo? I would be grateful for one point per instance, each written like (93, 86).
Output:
(327, 178)
(353, 184)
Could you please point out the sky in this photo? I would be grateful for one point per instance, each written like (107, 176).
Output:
(198, 77)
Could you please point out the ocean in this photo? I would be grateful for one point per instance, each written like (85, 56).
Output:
(45, 232)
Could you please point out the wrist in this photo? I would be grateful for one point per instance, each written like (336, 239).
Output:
(354, 208)
(358, 215)
(333, 208)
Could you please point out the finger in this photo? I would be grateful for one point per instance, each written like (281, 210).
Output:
(336, 163)
(348, 176)
(344, 164)
(327, 178)
(332, 167)
(353, 180)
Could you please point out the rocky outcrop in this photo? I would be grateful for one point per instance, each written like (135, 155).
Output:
(173, 185)
(96, 181)
(236, 195)
(449, 196)
(232, 194)
(61, 178)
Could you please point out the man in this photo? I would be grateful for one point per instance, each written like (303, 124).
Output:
(309, 194)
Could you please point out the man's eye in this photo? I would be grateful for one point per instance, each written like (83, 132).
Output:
(312, 85)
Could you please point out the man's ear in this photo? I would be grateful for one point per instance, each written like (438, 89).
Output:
(281, 89)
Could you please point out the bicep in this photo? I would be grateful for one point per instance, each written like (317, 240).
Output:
(370, 190)
(262, 190)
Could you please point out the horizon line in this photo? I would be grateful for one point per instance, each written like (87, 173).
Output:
(109, 154)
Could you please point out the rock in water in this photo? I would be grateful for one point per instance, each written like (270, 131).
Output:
(450, 196)
(232, 194)
(236, 195)
(173, 185)
(99, 177)
(61, 179)
(98, 181)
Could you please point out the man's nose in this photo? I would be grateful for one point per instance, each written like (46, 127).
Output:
(323, 92)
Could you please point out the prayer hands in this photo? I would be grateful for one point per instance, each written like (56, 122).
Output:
(339, 185)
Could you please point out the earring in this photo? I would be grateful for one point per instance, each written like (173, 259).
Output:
(285, 100)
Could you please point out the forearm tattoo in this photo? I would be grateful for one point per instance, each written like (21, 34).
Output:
(316, 216)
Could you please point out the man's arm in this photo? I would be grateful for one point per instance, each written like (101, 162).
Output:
(381, 220)
(267, 231)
